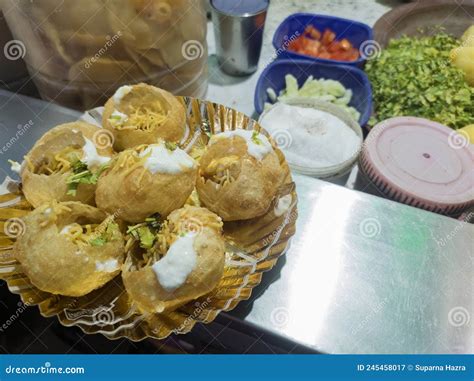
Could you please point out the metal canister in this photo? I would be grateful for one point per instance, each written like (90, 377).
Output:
(238, 29)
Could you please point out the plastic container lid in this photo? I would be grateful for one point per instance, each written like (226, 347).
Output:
(421, 163)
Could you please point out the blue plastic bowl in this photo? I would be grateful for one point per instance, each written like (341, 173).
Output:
(351, 77)
(356, 32)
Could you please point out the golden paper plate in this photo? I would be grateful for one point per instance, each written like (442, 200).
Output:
(252, 247)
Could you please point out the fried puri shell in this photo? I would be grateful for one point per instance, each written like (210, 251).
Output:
(253, 182)
(142, 283)
(41, 188)
(55, 264)
(137, 194)
(144, 97)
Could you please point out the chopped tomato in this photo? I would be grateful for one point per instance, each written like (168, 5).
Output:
(328, 37)
(325, 45)
(313, 32)
(334, 47)
(345, 44)
(312, 47)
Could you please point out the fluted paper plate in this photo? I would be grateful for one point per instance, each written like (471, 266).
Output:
(252, 247)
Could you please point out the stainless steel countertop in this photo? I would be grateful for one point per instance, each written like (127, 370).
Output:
(367, 275)
(362, 275)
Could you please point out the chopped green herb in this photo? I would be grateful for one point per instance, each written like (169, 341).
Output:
(413, 76)
(146, 231)
(143, 234)
(82, 175)
(255, 137)
(147, 238)
(111, 233)
(79, 166)
(99, 241)
(171, 146)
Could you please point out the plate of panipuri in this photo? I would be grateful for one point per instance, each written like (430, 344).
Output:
(143, 219)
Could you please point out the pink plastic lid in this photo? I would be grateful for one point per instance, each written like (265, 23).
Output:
(421, 163)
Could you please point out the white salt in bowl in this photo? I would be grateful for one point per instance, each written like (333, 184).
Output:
(338, 173)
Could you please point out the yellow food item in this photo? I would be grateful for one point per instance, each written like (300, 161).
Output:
(463, 58)
(143, 115)
(467, 38)
(69, 248)
(468, 132)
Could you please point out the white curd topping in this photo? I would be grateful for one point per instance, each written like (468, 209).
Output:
(258, 145)
(163, 160)
(310, 137)
(118, 118)
(108, 266)
(121, 92)
(282, 205)
(180, 260)
(16, 166)
(91, 156)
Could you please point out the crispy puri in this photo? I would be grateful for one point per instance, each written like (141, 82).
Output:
(143, 114)
(146, 180)
(234, 183)
(50, 164)
(148, 283)
(69, 248)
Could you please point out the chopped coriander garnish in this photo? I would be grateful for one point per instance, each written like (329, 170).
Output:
(82, 175)
(146, 231)
(414, 76)
(171, 146)
(255, 137)
(79, 166)
(147, 238)
(143, 234)
(108, 235)
(99, 241)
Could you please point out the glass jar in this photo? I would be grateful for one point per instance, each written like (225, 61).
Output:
(79, 52)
